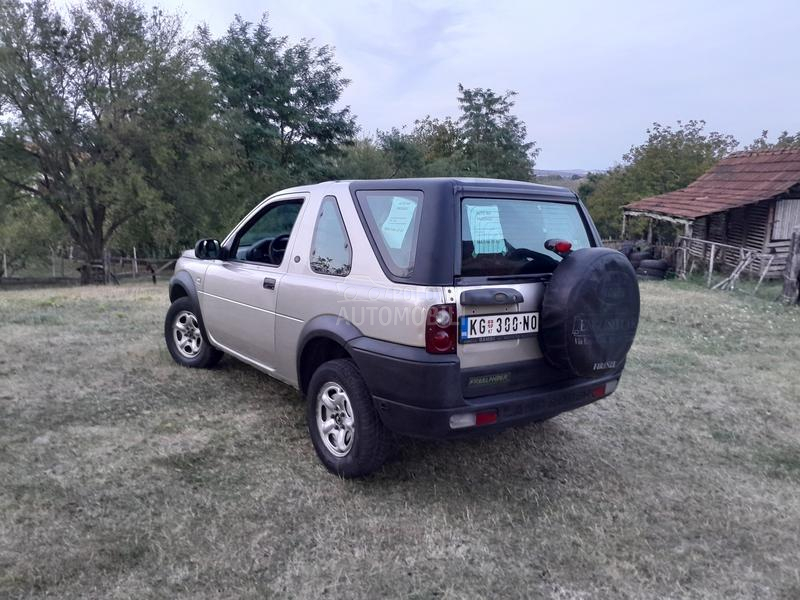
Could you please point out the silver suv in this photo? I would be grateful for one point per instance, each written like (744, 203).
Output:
(420, 307)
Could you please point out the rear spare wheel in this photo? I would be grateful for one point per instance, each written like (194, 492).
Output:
(590, 312)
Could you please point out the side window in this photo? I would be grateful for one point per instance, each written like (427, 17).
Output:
(265, 238)
(331, 253)
(393, 218)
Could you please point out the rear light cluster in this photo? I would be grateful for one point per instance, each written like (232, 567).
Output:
(463, 420)
(601, 391)
(441, 329)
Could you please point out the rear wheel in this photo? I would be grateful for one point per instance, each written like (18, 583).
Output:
(186, 341)
(347, 433)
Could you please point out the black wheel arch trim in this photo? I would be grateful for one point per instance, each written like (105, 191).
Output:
(330, 327)
(183, 280)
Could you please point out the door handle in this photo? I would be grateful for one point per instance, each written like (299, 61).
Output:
(486, 296)
(269, 283)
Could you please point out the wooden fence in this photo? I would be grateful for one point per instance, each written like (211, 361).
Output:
(112, 269)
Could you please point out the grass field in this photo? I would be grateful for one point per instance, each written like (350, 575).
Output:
(125, 476)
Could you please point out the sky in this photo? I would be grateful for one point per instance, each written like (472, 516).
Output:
(591, 76)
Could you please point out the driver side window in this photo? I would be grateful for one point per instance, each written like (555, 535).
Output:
(264, 239)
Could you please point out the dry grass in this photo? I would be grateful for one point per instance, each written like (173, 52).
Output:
(124, 476)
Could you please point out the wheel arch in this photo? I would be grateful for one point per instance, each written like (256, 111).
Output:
(181, 284)
(322, 339)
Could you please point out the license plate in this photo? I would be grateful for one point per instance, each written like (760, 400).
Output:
(491, 328)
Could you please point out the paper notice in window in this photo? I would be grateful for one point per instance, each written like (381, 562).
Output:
(487, 233)
(396, 225)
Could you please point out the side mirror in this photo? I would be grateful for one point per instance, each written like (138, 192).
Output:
(207, 249)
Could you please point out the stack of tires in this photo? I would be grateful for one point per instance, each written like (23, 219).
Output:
(647, 267)
(653, 269)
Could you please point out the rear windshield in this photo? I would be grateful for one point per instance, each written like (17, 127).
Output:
(506, 237)
(393, 219)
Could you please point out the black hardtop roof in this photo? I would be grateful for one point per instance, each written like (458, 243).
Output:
(438, 244)
(463, 184)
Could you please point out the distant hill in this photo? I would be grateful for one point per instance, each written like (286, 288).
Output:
(568, 178)
(565, 173)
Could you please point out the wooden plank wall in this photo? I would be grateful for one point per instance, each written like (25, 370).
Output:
(787, 217)
(745, 227)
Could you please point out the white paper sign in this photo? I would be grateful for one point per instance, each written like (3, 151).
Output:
(487, 232)
(396, 225)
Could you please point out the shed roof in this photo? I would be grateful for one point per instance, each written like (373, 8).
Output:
(739, 179)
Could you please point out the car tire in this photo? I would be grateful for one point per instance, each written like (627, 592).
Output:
(658, 264)
(627, 248)
(589, 313)
(185, 337)
(654, 273)
(637, 257)
(359, 443)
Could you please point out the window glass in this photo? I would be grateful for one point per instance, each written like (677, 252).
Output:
(255, 243)
(506, 237)
(330, 248)
(393, 218)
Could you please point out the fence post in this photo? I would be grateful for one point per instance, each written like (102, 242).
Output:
(792, 271)
(107, 267)
(5, 265)
(135, 266)
(53, 261)
(711, 263)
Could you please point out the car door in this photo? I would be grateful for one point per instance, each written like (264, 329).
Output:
(239, 295)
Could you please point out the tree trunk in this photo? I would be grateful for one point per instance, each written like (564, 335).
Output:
(791, 275)
(93, 269)
(93, 242)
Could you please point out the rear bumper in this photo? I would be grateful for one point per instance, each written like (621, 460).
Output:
(416, 393)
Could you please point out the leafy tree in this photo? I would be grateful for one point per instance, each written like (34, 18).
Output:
(29, 236)
(670, 159)
(280, 103)
(103, 105)
(785, 140)
(494, 141)
(29, 233)
(485, 141)
(364, 159)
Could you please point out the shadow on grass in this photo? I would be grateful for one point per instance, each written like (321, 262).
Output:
(537, 462)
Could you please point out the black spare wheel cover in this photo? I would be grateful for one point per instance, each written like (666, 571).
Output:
(590, 312)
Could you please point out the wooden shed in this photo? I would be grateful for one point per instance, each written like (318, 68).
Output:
(749, 201)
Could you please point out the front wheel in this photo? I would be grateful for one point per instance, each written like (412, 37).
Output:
(186, 341)
(347, 433)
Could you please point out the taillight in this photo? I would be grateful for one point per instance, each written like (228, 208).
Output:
(441, 329)
(601, 391)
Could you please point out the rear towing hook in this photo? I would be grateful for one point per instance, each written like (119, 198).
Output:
(561, 247)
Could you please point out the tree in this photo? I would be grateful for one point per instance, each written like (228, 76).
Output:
(670, 159)
(785, 140)
(485, 141)
(100, 106)
(280, 103)
(494, 141)
(364, 159)
(29, 233)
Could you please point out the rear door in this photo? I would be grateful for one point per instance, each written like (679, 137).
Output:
(503, 270)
